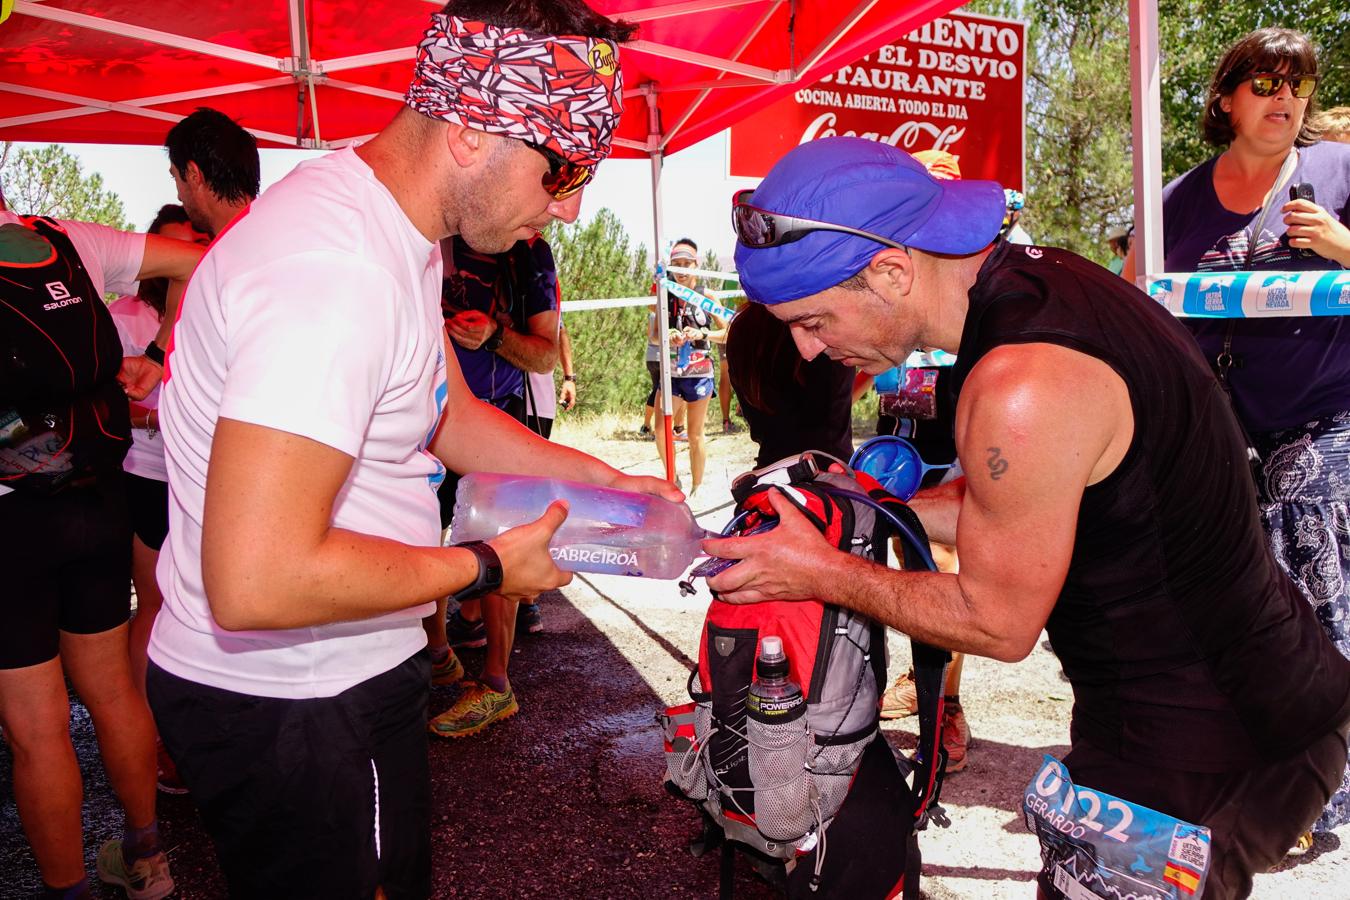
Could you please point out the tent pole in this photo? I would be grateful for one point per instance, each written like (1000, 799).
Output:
(1146, 104)
(667, 436)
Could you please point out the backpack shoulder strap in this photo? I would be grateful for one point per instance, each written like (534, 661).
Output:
(930, 669)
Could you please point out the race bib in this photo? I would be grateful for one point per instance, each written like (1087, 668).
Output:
(1094, 845)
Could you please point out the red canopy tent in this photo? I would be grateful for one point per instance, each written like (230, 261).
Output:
(319, 74)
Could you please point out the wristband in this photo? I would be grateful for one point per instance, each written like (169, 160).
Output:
(494, 341)
(489, 571)
(154, 354)
(571, 378)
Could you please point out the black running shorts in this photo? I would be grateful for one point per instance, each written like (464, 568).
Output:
(324, 798)
(148, 502)
(1254, 816)
(65, 561)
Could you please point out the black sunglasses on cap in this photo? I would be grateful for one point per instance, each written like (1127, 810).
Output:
(564, 178)
(758, 228)
(1268, 84)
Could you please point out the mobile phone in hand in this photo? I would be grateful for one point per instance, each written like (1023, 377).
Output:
(1302, 191)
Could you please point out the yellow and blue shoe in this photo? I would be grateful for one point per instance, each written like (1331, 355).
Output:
(476, 709)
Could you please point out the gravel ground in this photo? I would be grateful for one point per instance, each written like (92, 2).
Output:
(565, 799)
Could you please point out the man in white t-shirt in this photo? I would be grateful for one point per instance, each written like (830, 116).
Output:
(66, 549)
(311, 408)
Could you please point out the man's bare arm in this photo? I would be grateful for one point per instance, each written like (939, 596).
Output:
(272, 559)
(535, 351)
(1017, 519)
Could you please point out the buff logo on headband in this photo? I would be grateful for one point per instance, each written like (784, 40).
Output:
(561, 92)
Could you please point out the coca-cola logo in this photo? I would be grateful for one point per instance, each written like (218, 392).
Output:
(906, 135)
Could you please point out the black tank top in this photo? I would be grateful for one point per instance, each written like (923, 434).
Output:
(1186, 645)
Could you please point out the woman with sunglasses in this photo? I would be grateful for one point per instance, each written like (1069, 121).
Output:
(1289, 378)
(693, 375)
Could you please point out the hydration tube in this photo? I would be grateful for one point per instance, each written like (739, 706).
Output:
(711, 567)
(905, 531)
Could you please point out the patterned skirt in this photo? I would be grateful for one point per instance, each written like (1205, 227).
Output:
(1304, 491)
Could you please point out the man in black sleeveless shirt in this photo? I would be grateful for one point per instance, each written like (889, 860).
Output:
(1106, 497)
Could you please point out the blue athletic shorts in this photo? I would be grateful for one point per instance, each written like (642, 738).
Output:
(691, 389)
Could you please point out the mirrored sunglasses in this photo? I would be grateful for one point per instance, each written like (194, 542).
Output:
(563, 178)
(758, 228)
(1268, 84)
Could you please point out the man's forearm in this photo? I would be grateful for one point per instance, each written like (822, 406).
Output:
(928, 606)
(565, 352)
(501, 444)
(171, 301)
(528, 352)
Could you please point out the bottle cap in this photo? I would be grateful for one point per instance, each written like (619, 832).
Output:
(772, 662)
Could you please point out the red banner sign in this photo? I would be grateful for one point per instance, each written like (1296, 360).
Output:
(956, 84)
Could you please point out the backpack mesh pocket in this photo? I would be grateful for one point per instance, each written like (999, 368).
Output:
(831, 773)
(777, 753)
(685, 763)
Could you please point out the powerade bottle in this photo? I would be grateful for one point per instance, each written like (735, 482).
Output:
(607, 531)
(778, 739)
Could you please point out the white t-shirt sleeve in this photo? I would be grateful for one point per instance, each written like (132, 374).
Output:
(113, 258)
(310, 342)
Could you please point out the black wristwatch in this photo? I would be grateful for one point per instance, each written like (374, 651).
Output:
(494, 341)
(155, 354)
(489, 571)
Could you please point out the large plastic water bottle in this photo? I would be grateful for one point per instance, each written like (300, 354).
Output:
(607, 531)
(777, 737)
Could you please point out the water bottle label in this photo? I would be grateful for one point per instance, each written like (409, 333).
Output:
(773, 707)
(593, 558)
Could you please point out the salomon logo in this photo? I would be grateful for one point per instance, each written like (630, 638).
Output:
(61, 295)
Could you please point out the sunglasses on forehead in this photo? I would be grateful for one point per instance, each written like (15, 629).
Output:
(758, 228)
(1268, 84)
(564, 178)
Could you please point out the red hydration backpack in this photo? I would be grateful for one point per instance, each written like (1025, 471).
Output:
(842, 824)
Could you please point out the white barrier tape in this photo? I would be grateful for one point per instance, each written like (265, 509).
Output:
(704, 273)
(578, 305)
(1249, 295)
(694, 298)
(724, 295)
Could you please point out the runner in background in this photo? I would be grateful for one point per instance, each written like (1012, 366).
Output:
(692, 373)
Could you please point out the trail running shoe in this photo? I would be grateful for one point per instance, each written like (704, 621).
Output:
(528, 619)
(900, 699)
(477, 708)
(448, 670)
(463, 633)
(145, 879)
(1302, 845)
(955, 737)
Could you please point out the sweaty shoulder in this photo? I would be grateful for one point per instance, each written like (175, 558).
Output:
(1053, 397)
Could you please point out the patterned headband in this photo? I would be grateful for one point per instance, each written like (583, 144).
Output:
(562, 92)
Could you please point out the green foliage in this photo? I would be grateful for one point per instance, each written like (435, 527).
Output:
(49, 181)
(1194, 35)
(1079, 135)
(596, 260)
(1079, 175)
